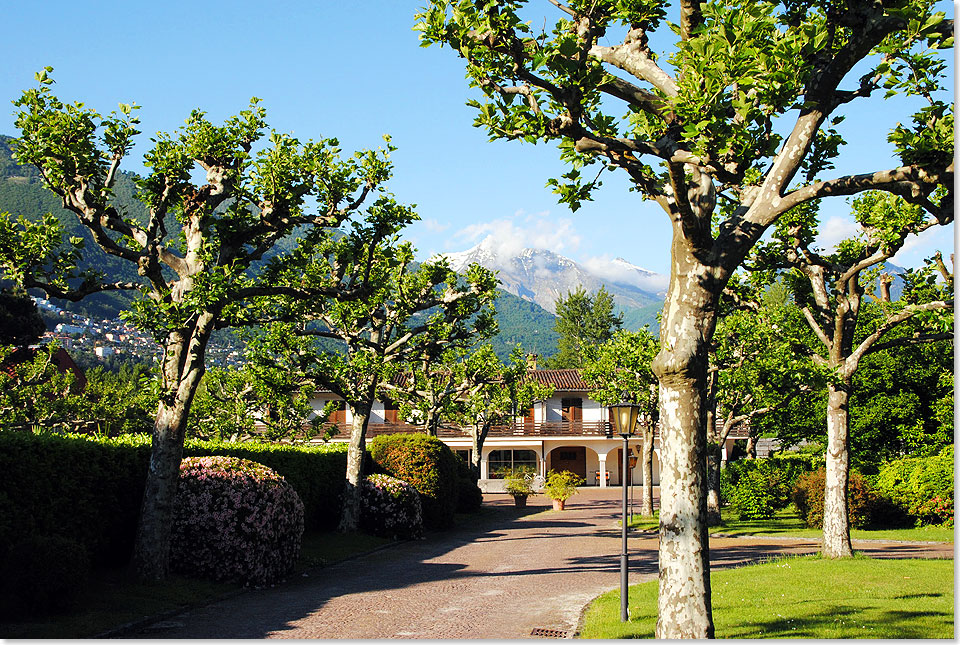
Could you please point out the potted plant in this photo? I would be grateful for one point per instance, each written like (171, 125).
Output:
(518, 483)
(560, 486)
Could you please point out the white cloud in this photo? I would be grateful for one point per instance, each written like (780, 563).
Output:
(618, 270)
(506, 237)
(919, 247)
(434, 225)
(834, 230)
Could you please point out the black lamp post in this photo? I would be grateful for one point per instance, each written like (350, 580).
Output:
(624, 421)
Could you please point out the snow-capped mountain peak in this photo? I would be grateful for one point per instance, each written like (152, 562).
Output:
(543, 276)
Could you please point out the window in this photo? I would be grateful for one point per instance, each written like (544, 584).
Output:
(391, 412)
(571, 409)
(500, 460)
(465, 455)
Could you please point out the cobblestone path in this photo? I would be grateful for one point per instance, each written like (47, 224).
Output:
(514, 571)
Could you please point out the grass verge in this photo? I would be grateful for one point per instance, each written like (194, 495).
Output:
(115, 598)
(787, 523)
(804, 597)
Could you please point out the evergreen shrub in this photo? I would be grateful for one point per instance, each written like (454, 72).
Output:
(235, 520)
(921, 487)
(758, 488)
(753, 498)
(862, 500)
(42, 574)
(428, 465)
(390, 507)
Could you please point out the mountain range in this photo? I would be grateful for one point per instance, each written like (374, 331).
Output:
(541, 276)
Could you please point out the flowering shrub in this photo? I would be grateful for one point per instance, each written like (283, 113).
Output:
(236, 520)
(809, 492)
(390, 507)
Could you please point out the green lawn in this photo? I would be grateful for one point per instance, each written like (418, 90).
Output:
(805, 597)
(787, 523)
(114, 598)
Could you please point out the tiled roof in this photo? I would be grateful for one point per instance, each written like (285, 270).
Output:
(560, 379)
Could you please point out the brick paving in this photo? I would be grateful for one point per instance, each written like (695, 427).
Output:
(511, 572)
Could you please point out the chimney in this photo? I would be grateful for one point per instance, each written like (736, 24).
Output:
(532, 361)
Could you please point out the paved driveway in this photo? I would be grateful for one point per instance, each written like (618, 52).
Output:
(515, 570)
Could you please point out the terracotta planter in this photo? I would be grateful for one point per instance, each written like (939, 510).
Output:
(558, 504)
(520, 501)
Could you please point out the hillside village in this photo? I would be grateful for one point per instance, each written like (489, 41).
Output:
(116, 338)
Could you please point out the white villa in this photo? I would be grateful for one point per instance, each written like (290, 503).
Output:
(568, 431)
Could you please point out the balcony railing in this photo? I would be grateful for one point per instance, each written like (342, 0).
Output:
(519, 429)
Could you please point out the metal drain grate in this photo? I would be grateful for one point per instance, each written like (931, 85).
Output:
(546, 632)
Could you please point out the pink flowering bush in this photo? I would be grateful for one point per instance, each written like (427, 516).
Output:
(390, 507)
(235, 520)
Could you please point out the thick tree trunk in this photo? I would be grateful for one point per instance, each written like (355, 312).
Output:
(684, 605)
(350, 513)
(646, 470)
(152, 548)
(182, 370)
(836, 522)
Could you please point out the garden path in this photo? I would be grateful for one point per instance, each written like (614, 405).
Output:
(510, 572)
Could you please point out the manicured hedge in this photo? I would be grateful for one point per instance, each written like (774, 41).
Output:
(428, 465)
(90, 488)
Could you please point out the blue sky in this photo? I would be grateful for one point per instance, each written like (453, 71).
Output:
(355, 71)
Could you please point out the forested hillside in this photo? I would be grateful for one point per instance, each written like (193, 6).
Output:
(22, 193)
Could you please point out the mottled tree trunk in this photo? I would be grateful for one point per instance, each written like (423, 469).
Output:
(478, 435)
(646, 471)
(684, 605)
(836, 523)
(182, 370)
(350, 513)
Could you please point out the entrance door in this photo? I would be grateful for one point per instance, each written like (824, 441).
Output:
(572, 458)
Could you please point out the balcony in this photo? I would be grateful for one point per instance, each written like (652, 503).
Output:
(519, 429)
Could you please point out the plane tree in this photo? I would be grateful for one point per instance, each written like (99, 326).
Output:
(223, 202)
(620, 370)
(829, 287)
(355, 348)
(498, 393)
(742, 109)
(758, 363)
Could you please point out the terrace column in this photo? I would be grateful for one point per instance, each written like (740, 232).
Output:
(603, 471)
(484, 468)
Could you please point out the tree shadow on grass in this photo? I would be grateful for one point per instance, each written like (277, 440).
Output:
(844, 621)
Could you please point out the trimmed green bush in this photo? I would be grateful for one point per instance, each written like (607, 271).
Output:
(428, 465)
(42, 574)
(921, 487)
(808, 495)
(390, 507)
(235, 520)
(758, 488)
(753, 498)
